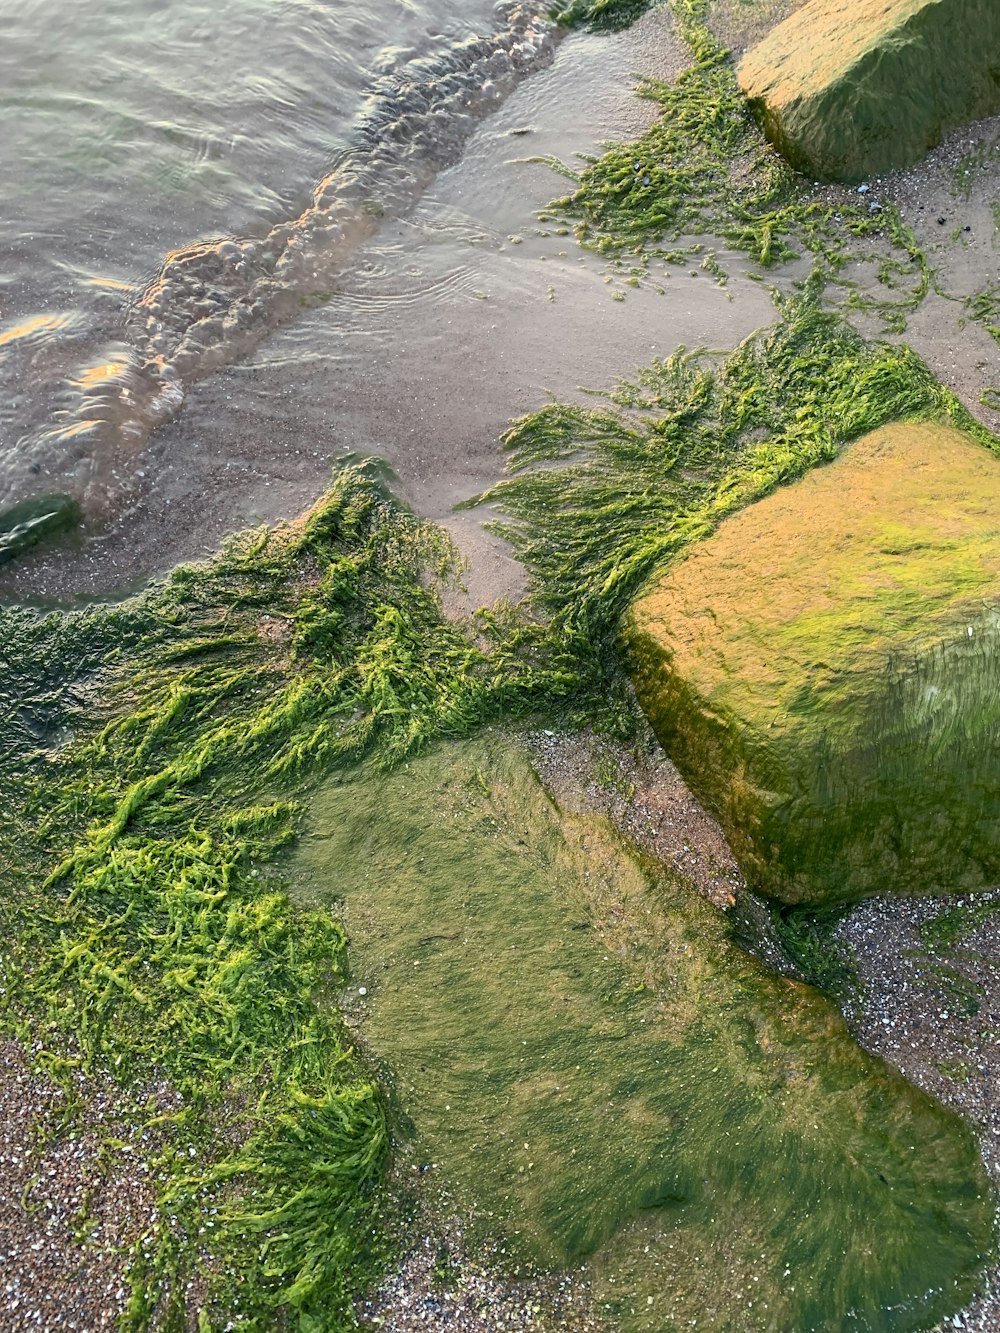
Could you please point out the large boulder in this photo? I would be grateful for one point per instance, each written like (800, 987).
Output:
(849, 88)
(825, 672)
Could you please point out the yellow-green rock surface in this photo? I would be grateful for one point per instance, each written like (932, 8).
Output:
(849, 88)
(825, 670)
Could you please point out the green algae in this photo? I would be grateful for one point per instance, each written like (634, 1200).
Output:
(952, 925)
(567, 1034)
(152, 754)
(600, 15)
(704, 168)
(984, 309)
(604, 497)
(156, 754)
(822, 672)
(807, 936)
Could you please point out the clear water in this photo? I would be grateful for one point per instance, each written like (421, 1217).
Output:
(135, 129)
(237, 241)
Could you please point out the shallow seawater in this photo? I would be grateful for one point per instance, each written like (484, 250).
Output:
(137, 129)
(456, 312)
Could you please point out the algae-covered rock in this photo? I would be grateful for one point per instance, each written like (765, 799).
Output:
(600, 1075)
(32, 521)
(824, 670)
(849, 88)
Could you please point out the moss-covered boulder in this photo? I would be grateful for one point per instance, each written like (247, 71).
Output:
(825, 671)
(599, 1077)
(849, 88)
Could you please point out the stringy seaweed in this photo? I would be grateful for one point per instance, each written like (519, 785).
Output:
(600, 15)
(603, 498)
(704, 168)
(144, 935)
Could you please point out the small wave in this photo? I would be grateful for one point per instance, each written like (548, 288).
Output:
(212, 302)
(36, 331)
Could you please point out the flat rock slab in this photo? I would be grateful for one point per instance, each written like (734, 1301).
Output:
(604, 1084)
(846, 89)
(825, 672)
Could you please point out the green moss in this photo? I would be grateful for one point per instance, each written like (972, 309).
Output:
(600, 15)
(821, 671)
(596, 1072)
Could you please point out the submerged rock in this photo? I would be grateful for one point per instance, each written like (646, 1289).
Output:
(849, 88)
(25, 524)
(823, 671)
(601, 1077)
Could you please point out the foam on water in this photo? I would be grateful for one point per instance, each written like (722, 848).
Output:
(213, 301)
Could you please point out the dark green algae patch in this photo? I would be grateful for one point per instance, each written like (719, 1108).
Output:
(599, 1075)
(32, 521)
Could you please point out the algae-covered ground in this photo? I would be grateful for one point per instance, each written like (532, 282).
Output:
(149, 753)
(567, 1033)
(599, 1074)
(156, 754)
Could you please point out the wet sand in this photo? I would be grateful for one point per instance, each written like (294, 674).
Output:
(454, 320)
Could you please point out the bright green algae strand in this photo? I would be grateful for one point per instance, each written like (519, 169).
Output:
(568, 1035)
(603, 498)
(823, 672)
(704, 170)
(600, 15)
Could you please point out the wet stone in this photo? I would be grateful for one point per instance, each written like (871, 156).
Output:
(822, 672)
(847, 88)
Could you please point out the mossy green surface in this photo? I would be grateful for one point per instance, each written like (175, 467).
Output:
(600, 15)
(848, 89)
(823, 672)
(150, 755)
(568, 1035)
(154, 755)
